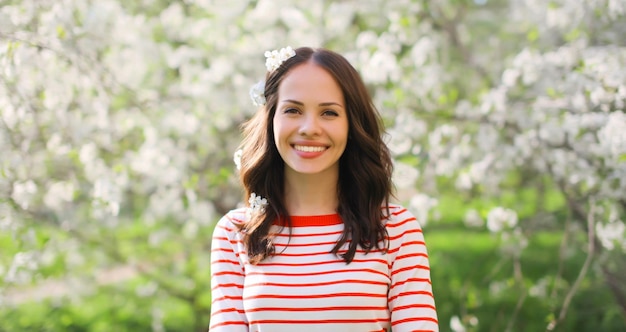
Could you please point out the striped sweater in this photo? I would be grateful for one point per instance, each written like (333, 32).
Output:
(304, 287)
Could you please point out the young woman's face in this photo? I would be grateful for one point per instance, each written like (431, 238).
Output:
(311, 122)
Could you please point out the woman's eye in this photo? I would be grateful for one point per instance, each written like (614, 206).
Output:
(290, 111)
(330, 113)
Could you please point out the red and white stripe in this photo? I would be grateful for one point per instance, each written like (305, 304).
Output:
(306, 288)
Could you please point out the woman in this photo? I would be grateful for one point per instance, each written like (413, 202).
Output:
(319, 247)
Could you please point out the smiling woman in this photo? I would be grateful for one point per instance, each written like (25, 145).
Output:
(324, 249)
(310, 125)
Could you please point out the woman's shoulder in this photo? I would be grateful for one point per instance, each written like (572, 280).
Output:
(397, 211)
(401, 218)
(234, 217)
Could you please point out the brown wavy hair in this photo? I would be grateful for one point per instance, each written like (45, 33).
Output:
(365, 168)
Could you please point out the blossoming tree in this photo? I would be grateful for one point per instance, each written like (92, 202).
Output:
(119, 120)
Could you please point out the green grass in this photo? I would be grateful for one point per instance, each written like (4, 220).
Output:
(113, 308)
(465, 266)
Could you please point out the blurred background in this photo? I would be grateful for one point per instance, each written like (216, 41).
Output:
(119, 120)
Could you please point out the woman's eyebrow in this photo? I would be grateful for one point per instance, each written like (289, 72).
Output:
(293, 102)
(330, 103)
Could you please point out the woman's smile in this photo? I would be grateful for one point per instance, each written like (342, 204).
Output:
(305, 148)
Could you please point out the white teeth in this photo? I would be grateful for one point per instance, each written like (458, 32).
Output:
(304, 148)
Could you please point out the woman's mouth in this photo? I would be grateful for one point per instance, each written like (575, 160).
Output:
(308, 148)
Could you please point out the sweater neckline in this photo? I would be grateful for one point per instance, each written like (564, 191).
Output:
(318, 220)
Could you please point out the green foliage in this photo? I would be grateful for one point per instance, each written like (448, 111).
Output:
(476, 281)
(111, 309)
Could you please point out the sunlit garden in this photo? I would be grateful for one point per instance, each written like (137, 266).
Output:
(119, 120)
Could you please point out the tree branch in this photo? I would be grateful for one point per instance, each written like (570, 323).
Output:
(450, 27)
(583, 270)
(562, 253)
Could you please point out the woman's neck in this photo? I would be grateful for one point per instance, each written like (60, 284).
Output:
(308, 195)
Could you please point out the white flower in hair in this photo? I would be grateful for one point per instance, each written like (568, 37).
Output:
(257, 93)
(257, 203)
(237, 158)
(276, 57)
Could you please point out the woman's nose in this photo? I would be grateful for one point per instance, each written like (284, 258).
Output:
(310, 125)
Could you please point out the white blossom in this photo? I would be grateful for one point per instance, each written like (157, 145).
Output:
(276, 57)
(23, 193)
(341, 18)
(510, 76)
(237, 158)
(59, 193)
(106, 198)
(464, 181)
(380, 67)
(612, 137)
(473, 219)
(295, 18)
(20, 270)
(88, 153)
(612, 234)
(257, 204)
(540, 289)
(456, 325)
(404, 175)
(257, 93)
(422, 205)
(499, 219)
